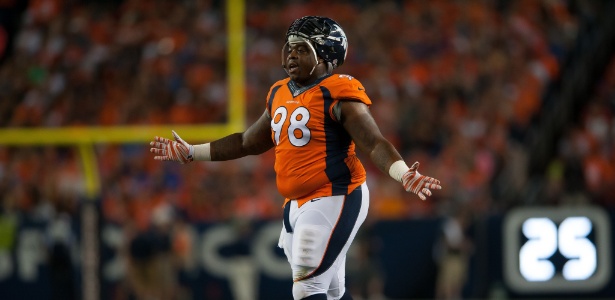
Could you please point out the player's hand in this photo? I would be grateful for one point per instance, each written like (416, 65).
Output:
(168, 150)
(419, 184)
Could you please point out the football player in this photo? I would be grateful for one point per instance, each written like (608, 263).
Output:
(314, 119)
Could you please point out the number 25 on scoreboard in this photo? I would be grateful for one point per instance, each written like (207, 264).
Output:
(551, 249)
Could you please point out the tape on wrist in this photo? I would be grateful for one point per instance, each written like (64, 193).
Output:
(202, 152)
(398, 169)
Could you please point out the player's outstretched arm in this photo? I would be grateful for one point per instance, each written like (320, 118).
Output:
(255, 140)
(362, 127)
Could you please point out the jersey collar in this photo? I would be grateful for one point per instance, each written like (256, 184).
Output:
(297, 90)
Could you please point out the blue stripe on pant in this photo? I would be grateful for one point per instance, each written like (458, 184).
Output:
(341, 233)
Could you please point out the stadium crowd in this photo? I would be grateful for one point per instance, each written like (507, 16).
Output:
(455, 85)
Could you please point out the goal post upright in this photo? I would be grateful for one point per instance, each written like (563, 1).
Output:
(84, 139)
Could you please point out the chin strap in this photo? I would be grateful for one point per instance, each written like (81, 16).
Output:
(313, 68)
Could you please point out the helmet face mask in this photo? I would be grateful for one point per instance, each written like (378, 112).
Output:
(325, 35)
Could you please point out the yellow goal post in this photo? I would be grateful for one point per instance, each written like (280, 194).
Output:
(84, 138)
(87, 136)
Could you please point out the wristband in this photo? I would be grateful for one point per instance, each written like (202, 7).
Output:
(398, 169)
(202, 152)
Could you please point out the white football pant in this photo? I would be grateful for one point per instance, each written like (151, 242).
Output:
(316, 238)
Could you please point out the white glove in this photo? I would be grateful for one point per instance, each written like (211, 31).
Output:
(419, 184)
(168, 150)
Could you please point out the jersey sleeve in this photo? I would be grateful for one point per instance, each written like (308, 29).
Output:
(349, 88)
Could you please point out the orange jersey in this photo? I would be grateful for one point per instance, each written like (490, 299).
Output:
(314, 155)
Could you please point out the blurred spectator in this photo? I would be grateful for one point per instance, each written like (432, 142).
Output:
(242, 268)
(453, 254)
(584, 170)
(152, 272)
(455, 84)
(467, 81)
(365, 275)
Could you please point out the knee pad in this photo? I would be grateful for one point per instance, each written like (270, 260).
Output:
(309, 244)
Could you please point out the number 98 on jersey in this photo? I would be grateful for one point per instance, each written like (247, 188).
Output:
(557, 249)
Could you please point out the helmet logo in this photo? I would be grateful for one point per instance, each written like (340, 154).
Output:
(342, 38)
